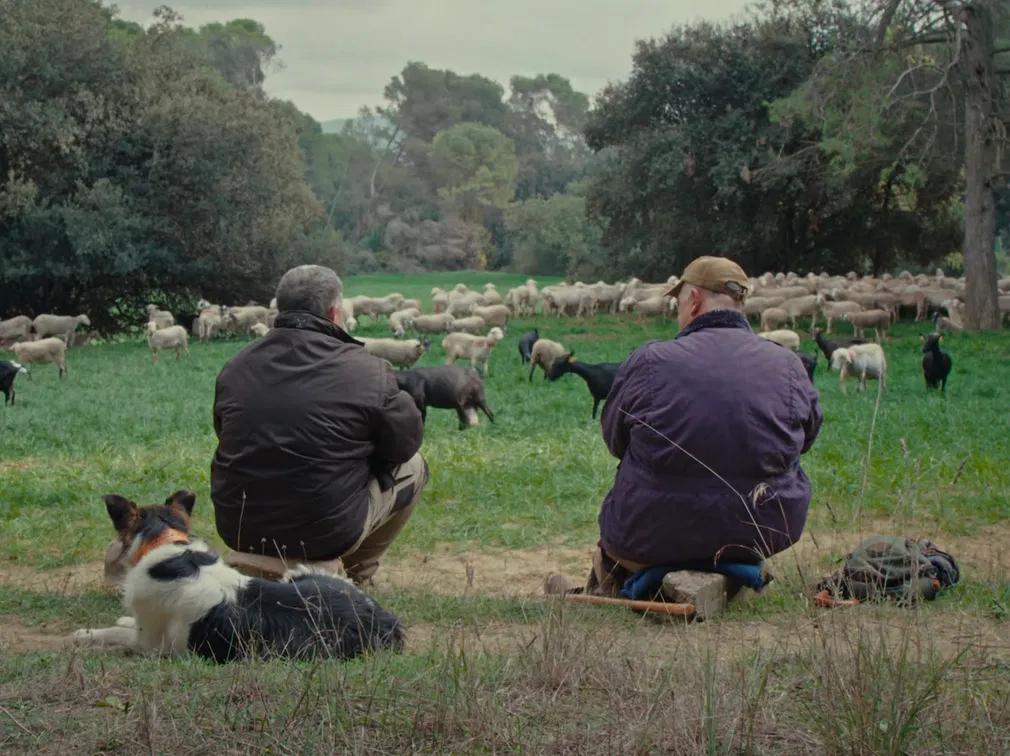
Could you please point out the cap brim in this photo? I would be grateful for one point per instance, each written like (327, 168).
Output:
(676, 289)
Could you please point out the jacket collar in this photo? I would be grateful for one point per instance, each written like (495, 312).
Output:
(716, 319)
(303, 320)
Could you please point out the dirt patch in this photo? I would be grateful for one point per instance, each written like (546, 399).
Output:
(78, 578)
(18, 638)
(456, 572)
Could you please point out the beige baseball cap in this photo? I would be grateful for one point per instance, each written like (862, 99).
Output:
(718, 274)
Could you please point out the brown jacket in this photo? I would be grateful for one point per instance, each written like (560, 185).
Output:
(305, 419)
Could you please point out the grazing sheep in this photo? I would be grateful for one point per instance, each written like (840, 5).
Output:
(474, 324)
(544, 353)
(879, 320)
(173, 337)
(8, 372)
(526, 342)
(784, 337)
(773, 318)
(348, 321)
(398, 320)
(241, 319)
(864, 360)
(401, 354)
(495, 315)
(51, 350)
(447, 387)
(62, 326)
(18, 328)
(209, 322)
(161, 318)
(439, 300)
(259, 330)
(653, 307)
(802, 306)
(829, 347)
(491, 296)
(598, 377)
(832, 311)
(477, 349)
(936, 363)
(438, 323)
(942, 324)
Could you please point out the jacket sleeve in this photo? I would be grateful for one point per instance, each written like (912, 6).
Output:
(814, 417)
(399, 428)
(624, 397)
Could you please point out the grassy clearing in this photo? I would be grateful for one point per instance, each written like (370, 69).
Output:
(488, 670)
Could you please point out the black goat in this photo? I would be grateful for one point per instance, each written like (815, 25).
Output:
(936, 363)
(526, 342)
(809, 362)
(446, 387)
(599, 378)
(8, 372)
(829, 347)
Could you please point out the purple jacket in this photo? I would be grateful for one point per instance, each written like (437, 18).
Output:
(740, 404)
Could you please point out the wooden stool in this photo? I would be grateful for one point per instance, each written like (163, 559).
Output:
(273, 568)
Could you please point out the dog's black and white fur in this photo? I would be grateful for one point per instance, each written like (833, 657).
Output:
(182, 598)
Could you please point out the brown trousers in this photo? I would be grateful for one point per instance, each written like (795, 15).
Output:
(388, 512)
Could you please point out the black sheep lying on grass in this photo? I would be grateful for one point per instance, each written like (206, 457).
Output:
(599, 377)
(446, 387)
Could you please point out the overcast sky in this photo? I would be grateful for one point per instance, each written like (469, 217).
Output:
(337, 55)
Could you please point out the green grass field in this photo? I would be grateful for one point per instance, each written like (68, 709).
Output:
(491, 667)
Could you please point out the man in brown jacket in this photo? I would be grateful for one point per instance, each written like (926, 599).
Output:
(317, 453)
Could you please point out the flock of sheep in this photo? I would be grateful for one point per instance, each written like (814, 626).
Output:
(473, 322)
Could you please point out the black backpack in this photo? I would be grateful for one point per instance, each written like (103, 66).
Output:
(890, 567)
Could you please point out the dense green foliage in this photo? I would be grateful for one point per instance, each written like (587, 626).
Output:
(128, 165)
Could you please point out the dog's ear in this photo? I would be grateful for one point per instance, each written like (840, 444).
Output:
(184, 499)
(122, 512)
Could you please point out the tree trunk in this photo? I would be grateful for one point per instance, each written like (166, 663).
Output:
(982, 306)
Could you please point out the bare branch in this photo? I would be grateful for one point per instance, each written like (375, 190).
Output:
(1001, 50)
(885, 21)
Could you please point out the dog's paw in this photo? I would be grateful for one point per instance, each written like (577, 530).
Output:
(126, 622)
(81, 637)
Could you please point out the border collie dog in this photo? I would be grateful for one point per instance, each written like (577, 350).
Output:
(181, 597)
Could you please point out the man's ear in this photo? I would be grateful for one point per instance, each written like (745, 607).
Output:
(122, 512)
(184, 499)
(335, 314)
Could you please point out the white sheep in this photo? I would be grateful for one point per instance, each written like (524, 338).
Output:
(544, 353)
(438, 323)
(173, 337)
(209, 322)
(879, 320)
(494, 315)
(773, 318)
(398, 320)
(62, 326)
(259, 330)
(477, 349)
(16, 329)
(51, 350)
(652, 307)
(161, 318)
(241, 319)
(863, 360)
(783, 337)
(397, 353)
(474, 324)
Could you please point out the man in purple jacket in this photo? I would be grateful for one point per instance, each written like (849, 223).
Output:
(709, 428)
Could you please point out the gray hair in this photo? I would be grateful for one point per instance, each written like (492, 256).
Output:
(313, 288)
